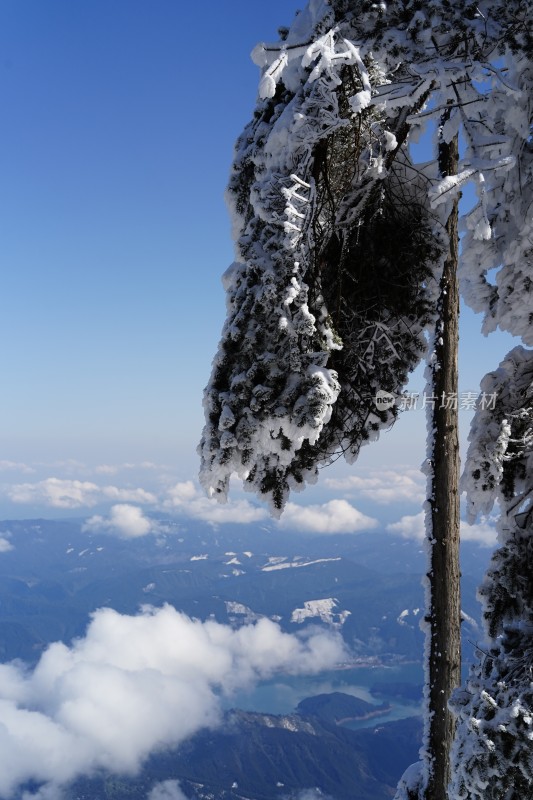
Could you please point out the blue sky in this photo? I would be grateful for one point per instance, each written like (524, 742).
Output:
(118, 125)
(118, 121)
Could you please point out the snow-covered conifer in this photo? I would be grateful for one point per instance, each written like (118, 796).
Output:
(319, 173)
(493, 752)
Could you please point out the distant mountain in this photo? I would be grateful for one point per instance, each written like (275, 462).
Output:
(264, 757)
(56, 575)
(366, 587)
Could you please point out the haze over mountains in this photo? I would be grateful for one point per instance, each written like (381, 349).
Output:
(367, 587)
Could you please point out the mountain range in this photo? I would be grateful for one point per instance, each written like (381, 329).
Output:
(366, 587)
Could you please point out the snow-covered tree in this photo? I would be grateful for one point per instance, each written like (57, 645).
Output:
(319, 173)
(493, 752)
(322, 313)
(346, 252)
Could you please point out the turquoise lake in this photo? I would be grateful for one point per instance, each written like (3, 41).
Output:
(282, 694)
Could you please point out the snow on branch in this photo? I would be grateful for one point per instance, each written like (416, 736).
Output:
(493, 756)
(499, 463)
(330, 217)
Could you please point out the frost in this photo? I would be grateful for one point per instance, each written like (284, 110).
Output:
(361, 101)
(295, 377)
(391, 143)
(449, 187)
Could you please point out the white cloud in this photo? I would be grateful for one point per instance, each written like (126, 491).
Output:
(184, 497)
(5, 545)
(113, 469)
(56, 492)
(107, 469)
(384, 486)
(312, 794)
(483, 532)
(15, 466)
(129, 495)
(47, 792)
(124, 520)
(413, 527)
(134, 685)
(336, 516)
(409, 527)
(182, 493)
(70, 494)
(166, 790)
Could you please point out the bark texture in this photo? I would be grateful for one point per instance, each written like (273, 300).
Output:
(444, 650)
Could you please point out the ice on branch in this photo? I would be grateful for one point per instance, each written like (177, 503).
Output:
(316, 324)
(330, 216)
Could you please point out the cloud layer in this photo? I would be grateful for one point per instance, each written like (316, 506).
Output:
(124, 520)
(132, 685)
(185, 498)
(66, 493)
(167, 790)
(412, 527)
(336, 516)
(383, 486)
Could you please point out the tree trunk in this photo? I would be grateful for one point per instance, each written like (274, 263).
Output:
(444, 610)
